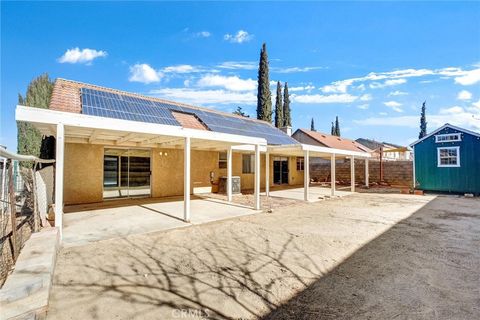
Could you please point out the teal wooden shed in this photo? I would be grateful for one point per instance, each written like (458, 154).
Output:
(448, 160)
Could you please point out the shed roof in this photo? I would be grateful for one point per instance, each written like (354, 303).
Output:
(77, 97)
(334, 141)
(446, 125)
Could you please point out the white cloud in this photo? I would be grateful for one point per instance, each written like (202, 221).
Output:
(295, 69)
(142, 72)
(76, 55)
(451, 110)
(463, 117)
(337, 86)
(464, 77)
(397, 93)
(366, 97)
(243, 65)
(383, 113)
(363, 106)
(182, 68)
(464, 95)
(240, 37)
(305, 88)
(203, 34)
(394, 105)
(387, 83)
(202, 97)
(469, 77)
(318, 98)
(232, 83)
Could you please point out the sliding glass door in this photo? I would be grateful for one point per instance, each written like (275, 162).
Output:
(126, 173)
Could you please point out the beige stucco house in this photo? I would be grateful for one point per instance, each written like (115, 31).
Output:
(116, 144)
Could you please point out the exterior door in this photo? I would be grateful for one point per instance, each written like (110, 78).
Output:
(280, 170)
(126, 173)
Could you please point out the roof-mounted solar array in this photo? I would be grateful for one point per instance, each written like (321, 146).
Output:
(119, 106)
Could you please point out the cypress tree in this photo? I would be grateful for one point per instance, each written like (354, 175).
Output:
(332, 132)
(337, 127)
(29, 139)
(423, 122)
(287, 120)
(264, 101)
(312, 125)
(240, 112)
(279, 107)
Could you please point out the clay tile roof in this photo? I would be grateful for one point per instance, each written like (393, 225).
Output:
(335, 142)
(189, 120)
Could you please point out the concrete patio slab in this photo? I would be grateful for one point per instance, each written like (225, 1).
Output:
(25, 293)
(107, 221)
(316, 193)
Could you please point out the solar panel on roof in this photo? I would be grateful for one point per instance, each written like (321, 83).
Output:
(118, 106)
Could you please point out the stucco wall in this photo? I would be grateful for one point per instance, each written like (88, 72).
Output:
(167, 171)
(83, 175)
(84, 172)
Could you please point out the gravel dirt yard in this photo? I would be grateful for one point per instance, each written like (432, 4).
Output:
(364, 256)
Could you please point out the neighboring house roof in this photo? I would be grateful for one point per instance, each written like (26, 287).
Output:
(334, 141)
(374, 145)
(77, 97)
(446, 125)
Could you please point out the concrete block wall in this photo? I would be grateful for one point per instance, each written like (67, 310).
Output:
(394, 172)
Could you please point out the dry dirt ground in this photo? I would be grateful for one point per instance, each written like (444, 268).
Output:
(364, 256)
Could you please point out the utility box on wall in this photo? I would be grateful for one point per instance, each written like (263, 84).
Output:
(222, 185)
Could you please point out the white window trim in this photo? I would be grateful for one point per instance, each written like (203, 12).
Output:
(252, 164)
(448, 134)
(439, 165)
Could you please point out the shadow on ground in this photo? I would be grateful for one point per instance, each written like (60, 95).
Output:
(425, 266)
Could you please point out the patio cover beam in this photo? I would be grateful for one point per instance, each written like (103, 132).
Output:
(229, 174)
(352, 173)
(69, 119)
(257, 177)
(186, 183)
(333, 178)
(267, 174)
(60, 149)
(367, 174)
(306, 174)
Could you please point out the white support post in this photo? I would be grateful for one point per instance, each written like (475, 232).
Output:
(306, 174)
(367, 174)
(229, 174)
(267, 174)
(257, 177)
(333, 178)
(186, 183)
(60, 150)
(352, 173)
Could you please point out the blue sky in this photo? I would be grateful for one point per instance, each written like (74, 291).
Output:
(370, 63)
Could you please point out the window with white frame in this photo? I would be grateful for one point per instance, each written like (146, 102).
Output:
(448, 157)
(300, 163)
(448, 137)
(248, 163)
